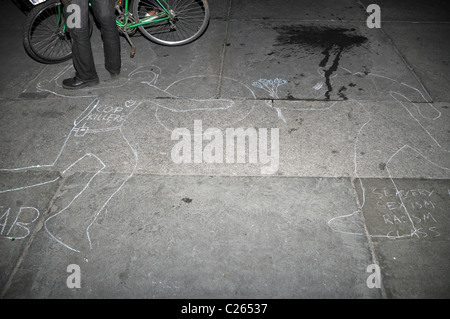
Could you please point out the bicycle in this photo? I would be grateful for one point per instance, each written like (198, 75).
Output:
(167, 22)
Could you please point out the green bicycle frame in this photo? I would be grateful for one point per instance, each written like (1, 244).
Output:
(60, 15)
(163, 16)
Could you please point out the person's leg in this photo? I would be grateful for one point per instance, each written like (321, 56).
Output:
(83, 59)
(105, 14)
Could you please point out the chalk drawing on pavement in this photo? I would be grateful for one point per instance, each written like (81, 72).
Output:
(102, 122)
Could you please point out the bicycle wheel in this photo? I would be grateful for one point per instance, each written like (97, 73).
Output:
(182, 21)
(45, 38)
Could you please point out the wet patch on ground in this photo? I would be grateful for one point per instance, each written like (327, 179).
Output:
(330, 42)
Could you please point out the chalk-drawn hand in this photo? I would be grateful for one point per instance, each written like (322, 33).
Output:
(148, 74)
(271, 87)
(424, 108)
(199, 95)
(47, 86)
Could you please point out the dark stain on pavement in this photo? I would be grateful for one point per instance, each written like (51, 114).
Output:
(187, 200)
(330, 42)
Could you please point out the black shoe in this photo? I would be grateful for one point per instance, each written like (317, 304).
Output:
(114, 75)
(76, 83)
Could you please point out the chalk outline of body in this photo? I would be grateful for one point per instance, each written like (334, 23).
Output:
(432, 141)
(395, 95)
(399, 98)
(78, 131)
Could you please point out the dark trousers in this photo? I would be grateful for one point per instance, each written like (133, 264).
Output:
(83, 60)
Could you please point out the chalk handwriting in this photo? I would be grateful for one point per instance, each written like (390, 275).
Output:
(15, 224)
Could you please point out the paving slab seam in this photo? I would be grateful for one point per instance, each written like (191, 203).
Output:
(403, 21)
(33, 234)
(416, 22)
(294, 20)
(410, 68)
(224, 48)
(42, 96)
(367, 234)
(329, 20)
(46, 66)
(402, 57)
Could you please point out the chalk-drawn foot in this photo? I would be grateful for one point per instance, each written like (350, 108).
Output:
(374, 225)
(69, 231)
(47, 86)
(348, 224)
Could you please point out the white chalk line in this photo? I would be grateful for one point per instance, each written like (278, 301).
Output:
(226, 104)
(273, 92)
(390, 176)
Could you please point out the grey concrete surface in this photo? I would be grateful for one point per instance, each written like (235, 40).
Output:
(346, 164)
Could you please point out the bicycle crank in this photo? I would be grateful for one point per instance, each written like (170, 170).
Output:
(127, 32)
(123, 28)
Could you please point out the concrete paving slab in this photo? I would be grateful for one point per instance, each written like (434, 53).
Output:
(218, 9)
(408, 223)
(317, 60)
(424, 47)
(351, 120)
(389, 139)
(198, 58)
(34, 131)
(291, 9)
(153, 63)
(22, 209)
(203, 237)
(403, 10)
(16, 66)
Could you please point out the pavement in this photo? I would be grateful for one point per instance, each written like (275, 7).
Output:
(337, 185)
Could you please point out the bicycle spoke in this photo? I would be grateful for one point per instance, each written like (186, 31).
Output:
(46, 41)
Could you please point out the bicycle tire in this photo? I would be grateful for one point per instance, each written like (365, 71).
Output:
(43, 36)
(189, 20)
